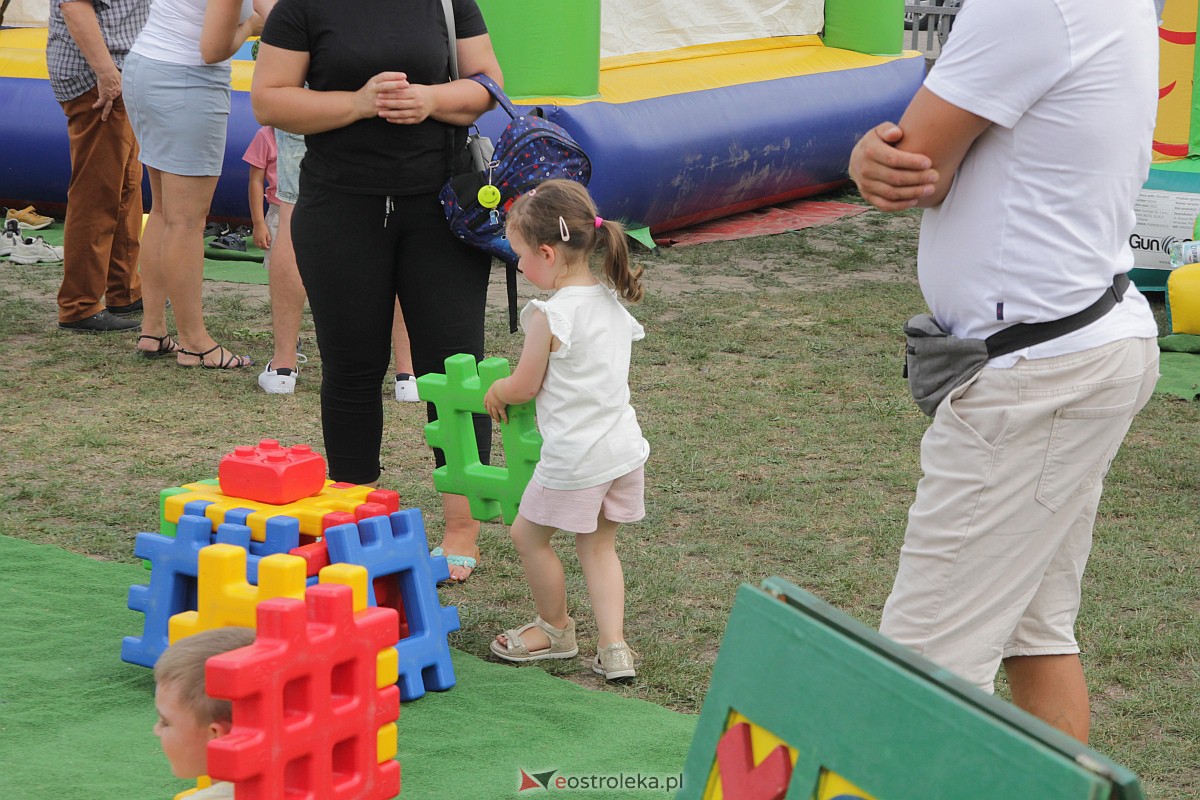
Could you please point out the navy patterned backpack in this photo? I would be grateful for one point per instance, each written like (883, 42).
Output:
(530, 150)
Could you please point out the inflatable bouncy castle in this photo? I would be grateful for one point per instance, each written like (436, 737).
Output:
(689, 111)
(1170, 202)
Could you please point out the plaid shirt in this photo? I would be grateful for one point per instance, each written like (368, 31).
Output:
(120, 22)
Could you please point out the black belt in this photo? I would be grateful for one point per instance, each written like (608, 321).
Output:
(1027, 334)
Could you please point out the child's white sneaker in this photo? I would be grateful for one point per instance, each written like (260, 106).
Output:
(406, 388)
(8, 243)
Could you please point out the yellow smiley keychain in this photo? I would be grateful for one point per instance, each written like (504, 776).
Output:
(489, 196)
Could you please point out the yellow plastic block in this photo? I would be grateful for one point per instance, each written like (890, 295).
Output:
(225, 598)
(1183, 299)
(310, 511)
(387, 667)
(351, 575)
(385, 744)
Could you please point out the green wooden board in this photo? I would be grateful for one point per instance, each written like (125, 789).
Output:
(894, 724)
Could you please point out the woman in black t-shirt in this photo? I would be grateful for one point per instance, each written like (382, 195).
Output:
(367, 83)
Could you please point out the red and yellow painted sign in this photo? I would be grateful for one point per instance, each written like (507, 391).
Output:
(752, 763)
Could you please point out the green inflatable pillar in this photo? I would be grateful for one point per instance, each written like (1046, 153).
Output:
(875, 27)
(546, 47)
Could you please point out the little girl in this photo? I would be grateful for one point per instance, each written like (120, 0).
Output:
(575, 364)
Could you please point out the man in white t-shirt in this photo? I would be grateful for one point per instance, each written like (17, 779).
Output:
(1027, 145)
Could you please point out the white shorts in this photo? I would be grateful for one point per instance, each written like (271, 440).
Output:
(1001, 528)
(577, 510)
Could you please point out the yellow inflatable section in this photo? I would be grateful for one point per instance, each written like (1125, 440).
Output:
(1173, 137)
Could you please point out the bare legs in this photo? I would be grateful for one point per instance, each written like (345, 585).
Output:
(605, 580)
(1053, 689)
(172, 260)
(601, 567)
(287, 293)
(461, 534)
(400, 345)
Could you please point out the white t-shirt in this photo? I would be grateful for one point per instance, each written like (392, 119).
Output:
(590, 433)
(1037, 221)
(172, 32)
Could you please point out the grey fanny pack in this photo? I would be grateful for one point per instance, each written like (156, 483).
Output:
(936, 362)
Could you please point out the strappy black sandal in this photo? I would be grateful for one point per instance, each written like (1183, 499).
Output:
(166, 346)
(228, 359)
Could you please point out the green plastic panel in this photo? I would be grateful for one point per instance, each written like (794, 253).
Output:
(854, 703)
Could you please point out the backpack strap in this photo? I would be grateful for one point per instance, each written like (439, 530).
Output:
(496, 92)
(510, 280)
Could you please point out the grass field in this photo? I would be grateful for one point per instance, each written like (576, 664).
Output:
(783, 444)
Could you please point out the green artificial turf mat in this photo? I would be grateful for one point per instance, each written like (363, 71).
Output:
(75, 721)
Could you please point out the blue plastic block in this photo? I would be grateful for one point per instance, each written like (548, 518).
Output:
(174, 570)
(490, 491)
(395, 548)
(172, 588)
(282, 536)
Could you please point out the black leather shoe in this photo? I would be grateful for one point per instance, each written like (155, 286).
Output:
(126, 311)
(104, 322)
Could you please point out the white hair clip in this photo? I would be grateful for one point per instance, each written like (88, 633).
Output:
(563, 230)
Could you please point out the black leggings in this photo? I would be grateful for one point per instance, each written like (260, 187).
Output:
(356, 254)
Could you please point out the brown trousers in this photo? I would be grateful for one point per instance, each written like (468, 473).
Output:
(102, 232)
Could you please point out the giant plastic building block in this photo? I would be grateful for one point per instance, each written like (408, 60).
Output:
(395, 553)
(175, 568)
(270, 473)
(172, 587)
(224, 595)
(314, 705)
(491, 491)
(310, 512)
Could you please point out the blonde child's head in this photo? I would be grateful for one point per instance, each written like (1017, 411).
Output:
(561, 214)
(187, 717)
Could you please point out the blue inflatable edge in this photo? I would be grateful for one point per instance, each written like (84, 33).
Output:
(663, 162)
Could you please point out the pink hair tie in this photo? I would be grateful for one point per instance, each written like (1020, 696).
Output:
(599, 222)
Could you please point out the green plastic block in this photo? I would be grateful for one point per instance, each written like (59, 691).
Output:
(165, 528)
(851, 703)
(491, 491)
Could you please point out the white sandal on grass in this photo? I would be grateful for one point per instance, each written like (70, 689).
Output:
(562, 643)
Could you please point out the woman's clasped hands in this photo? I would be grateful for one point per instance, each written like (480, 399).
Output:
(390, 96)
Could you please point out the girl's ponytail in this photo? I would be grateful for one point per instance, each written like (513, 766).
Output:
(561, 213)
(617, 269)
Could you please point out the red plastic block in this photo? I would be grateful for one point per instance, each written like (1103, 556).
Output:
(741, 779)
(313, 718)
(336, 518)
(315, 555)
(268, 473)
(368, 510)
(387, 498)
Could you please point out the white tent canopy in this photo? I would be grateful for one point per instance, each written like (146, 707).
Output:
(631, 26)
(637, 26)
(27, 13)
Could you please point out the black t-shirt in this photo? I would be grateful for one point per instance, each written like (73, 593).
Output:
(348, 42)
